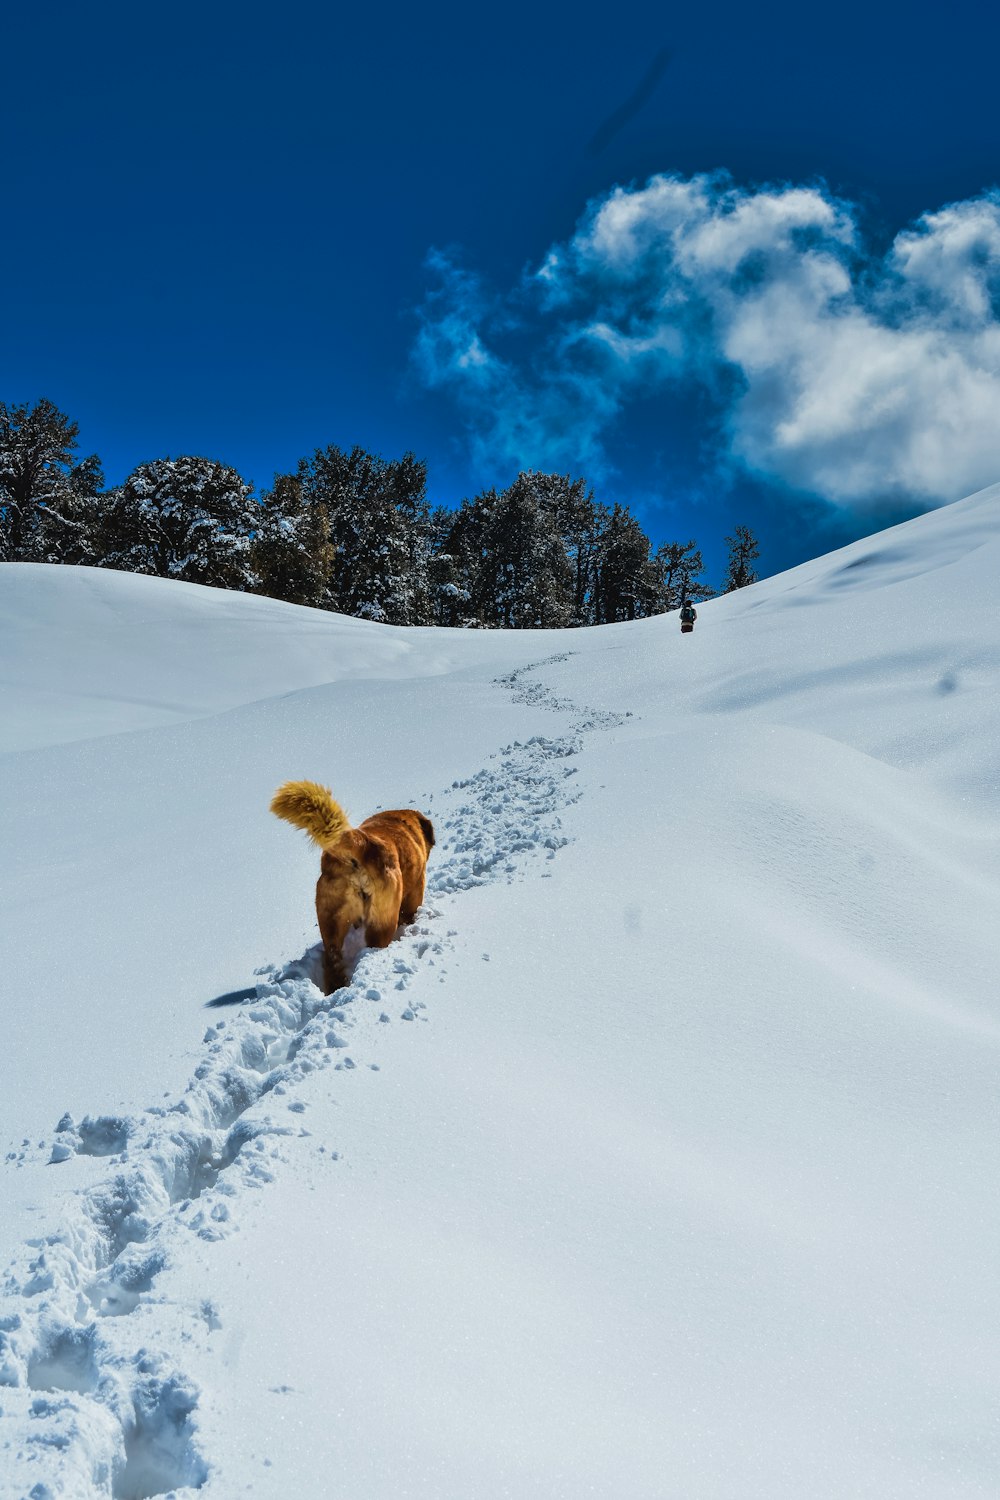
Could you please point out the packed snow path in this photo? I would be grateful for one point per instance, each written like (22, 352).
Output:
(107, 1414)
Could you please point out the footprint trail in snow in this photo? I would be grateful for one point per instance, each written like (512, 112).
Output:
(105, 1414)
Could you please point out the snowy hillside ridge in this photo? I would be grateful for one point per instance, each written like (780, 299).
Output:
(122, 1418)
(63, 624)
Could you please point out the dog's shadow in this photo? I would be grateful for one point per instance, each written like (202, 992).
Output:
(309, 966)
(232, 997)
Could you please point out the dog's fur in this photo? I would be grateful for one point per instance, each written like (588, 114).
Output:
(371, 876)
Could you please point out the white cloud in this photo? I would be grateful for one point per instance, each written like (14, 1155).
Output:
(856, 378)
(952, 261)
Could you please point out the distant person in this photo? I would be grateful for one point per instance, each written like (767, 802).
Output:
(688, 616)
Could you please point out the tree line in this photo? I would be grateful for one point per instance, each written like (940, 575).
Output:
(348, 531)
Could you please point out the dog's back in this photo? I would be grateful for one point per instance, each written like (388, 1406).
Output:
(412, 837)
(398, 819)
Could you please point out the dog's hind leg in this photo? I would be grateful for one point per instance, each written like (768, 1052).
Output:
(333, 933)
(380, 935)
(410, 907)
(412, 900)
(334, 972)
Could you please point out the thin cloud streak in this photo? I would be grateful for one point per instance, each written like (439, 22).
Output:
(606, 132)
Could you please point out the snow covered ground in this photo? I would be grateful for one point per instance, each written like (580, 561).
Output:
(659, 1159)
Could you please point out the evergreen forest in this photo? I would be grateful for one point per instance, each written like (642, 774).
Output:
(348, 531)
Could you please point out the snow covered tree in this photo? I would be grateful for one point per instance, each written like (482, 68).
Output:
(449, 596)
(350, 531)
(543, 552)
(378, 523)
(580, 523)
(457, 541)
(743, 552)
(446, 572)
(187, 518)
(291, 554)
(69, 524)
(523, 578)
(409, 496)
(680, 566)
(626, 580)
(37, 445)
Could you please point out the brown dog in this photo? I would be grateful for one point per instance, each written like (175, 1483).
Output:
(370, 876)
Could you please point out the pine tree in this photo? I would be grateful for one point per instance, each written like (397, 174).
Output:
(349, 531)
(70, 522)
(743, 551)
(458, 542)
(187, 518)
(580, 523)
(448, 593)
(626, 588)
(409, 495)
(37, 445)
(543, 552)
(523, 579)
(378, 519)
(291, 554)
(681, 567)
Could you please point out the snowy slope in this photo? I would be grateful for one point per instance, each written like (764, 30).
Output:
(659, 1159)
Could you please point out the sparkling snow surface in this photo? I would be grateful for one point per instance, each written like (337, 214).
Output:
(657, 1161)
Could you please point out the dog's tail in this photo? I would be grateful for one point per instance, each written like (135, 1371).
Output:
(311, 807)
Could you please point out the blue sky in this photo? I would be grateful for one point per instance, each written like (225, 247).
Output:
(247, 233)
